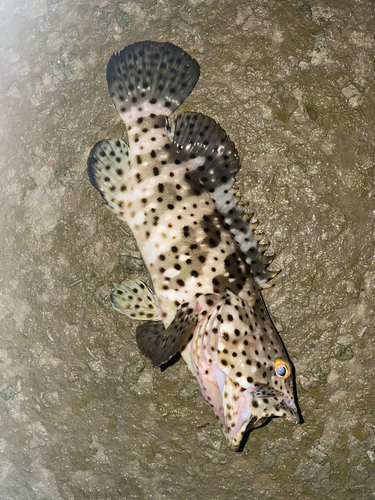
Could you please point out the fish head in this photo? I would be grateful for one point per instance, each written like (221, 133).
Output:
(243, 368)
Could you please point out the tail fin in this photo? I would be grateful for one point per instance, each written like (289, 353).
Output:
(150, 77)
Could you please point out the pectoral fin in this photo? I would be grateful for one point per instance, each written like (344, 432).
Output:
(159, 343)
(135, 299)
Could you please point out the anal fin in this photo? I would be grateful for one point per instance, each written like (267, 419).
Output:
(135, 299)
(159, 343)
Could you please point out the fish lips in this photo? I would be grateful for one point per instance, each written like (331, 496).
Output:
(268, 403)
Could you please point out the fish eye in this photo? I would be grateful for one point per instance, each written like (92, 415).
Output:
(282, 369)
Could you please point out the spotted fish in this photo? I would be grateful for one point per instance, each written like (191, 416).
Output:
(173, 185)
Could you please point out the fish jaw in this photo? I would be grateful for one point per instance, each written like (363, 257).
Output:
(267, 402)
(238, 409)
(251, 408)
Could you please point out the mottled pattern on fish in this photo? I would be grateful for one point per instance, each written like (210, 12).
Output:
(173, 185)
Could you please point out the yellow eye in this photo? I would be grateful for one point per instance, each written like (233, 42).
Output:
(282, 369)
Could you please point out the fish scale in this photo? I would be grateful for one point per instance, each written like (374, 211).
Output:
(173, 186)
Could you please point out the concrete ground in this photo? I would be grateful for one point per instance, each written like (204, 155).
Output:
(82, 413)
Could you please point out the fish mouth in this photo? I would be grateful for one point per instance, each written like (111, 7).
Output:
(268, 403)
(261, 406)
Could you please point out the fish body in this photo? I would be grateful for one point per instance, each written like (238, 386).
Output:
(173, 185)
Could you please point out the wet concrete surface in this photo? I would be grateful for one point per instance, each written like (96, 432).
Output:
(83, 415)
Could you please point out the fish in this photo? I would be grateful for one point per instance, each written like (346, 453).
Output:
(173, 184)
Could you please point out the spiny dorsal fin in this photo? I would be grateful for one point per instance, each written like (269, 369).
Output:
(214, 158)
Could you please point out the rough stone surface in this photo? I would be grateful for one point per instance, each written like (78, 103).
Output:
(82, 414)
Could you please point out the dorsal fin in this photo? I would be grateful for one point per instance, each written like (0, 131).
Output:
(214, 158)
